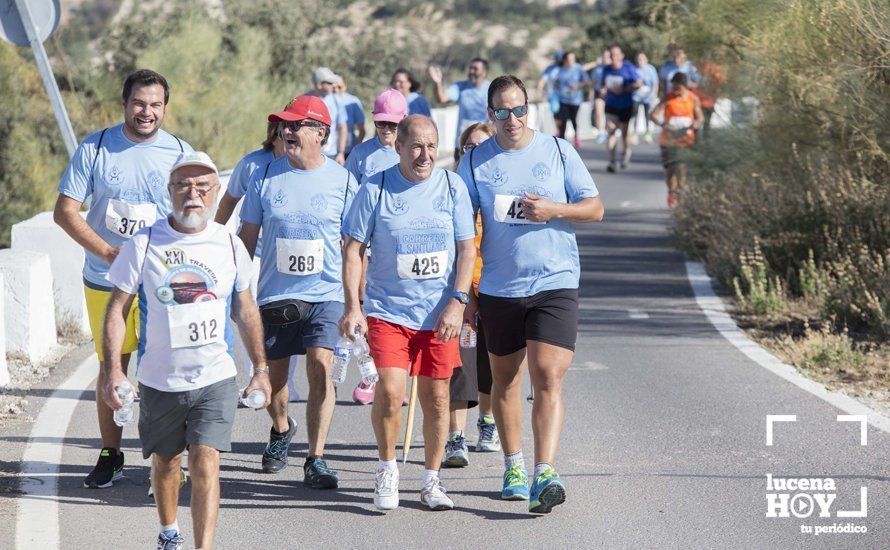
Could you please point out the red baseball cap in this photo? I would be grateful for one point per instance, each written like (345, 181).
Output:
(301, 108)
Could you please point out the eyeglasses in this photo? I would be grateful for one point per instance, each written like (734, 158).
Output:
(504, 114)
(184, 187)
(383, 125)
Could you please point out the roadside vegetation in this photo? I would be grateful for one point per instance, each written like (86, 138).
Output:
(792, 212)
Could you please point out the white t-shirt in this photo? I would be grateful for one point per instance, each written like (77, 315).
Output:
(184, 283)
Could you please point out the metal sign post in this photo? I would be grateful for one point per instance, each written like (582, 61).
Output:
(35, 37)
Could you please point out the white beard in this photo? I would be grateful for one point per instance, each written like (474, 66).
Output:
(194, 221)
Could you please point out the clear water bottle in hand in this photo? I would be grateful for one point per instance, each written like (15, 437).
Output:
(124, 415)
(254, 399)
(366, 366)
(342, 354)
(467, 336)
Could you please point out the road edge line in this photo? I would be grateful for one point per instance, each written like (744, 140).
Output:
(37, 517)
(715, 310)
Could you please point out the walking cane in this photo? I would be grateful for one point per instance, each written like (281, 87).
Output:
(409, 426)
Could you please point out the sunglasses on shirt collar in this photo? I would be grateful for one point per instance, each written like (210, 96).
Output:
(504, 114)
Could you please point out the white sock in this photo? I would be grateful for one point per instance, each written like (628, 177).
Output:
(172, 527)
(387, 464)
(430, 475)
(541, 467)
(513, 459)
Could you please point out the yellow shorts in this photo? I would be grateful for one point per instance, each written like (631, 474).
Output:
(97, 302)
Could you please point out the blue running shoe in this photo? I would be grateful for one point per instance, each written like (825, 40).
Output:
(456, 452)
(547, 492)
(515, 484)
(170, 540)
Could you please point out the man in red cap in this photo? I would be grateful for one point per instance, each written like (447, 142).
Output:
(300, 200)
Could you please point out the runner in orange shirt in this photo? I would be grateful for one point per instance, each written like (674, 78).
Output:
(681, 115)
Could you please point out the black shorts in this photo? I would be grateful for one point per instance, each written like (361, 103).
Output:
(567, 112)
(318, 330)
(671, 156)
(622, 115)
(550, 317)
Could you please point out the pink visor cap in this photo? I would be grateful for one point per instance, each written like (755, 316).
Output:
(390, 106)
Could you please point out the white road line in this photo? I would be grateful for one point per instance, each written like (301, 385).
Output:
(637, 314)
(625, 204)
(589, 365)
(37, 525)
(715, 310)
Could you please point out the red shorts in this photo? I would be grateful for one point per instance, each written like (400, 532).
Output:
(396, 346)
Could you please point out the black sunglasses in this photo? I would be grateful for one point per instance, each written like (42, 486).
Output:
(382, 124)
(504, 114)
(295, 126)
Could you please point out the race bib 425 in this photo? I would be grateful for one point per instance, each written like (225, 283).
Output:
(509, 209)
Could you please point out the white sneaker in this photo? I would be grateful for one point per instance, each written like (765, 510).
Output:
(434, 497)
(386, 491)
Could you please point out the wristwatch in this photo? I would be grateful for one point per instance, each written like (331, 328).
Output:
(461, 297)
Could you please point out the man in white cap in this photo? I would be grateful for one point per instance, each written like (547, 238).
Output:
(324, 81)
(191, 275)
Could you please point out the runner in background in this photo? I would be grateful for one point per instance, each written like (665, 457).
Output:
(470, 96)
(323, 81)
(713, 76)
(471, 384)
(680, 116)
(403, 80)
(571, 80)
(355, 115)
(646, 96)
(598, 113)
(546, 83)
(677, 63)
(620, 80)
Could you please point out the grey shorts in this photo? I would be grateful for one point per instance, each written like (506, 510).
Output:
(170, 421)
(318, 330)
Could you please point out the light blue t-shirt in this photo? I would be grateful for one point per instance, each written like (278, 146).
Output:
(413, 228)
(301, 212)
(370, 157)
(472, 104)
(337, 110)
(127, 185)
(616, 82)
(245, 168)
(520, 258)
(418, 105)
(565, 78)
(649, 77)
(354, 115)
(669, 69)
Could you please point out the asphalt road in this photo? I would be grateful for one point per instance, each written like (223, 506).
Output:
(664, 443)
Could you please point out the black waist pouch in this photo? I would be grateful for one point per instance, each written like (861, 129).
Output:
(284, 312)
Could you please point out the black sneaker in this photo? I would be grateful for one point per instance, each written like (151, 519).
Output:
(317, 475)
(275, 455)
(109, 468)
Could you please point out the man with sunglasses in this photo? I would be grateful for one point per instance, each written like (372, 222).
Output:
(324, 82)
(530, 188)
(122, 170)
(469, 95)
(300, 200)
(191, 275)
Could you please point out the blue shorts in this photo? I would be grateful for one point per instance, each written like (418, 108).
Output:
(318, 330)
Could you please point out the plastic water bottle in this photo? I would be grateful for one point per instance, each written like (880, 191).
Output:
(254, 399)
(124, 415)
(342, 354)
(467, 336)
(366, 366)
